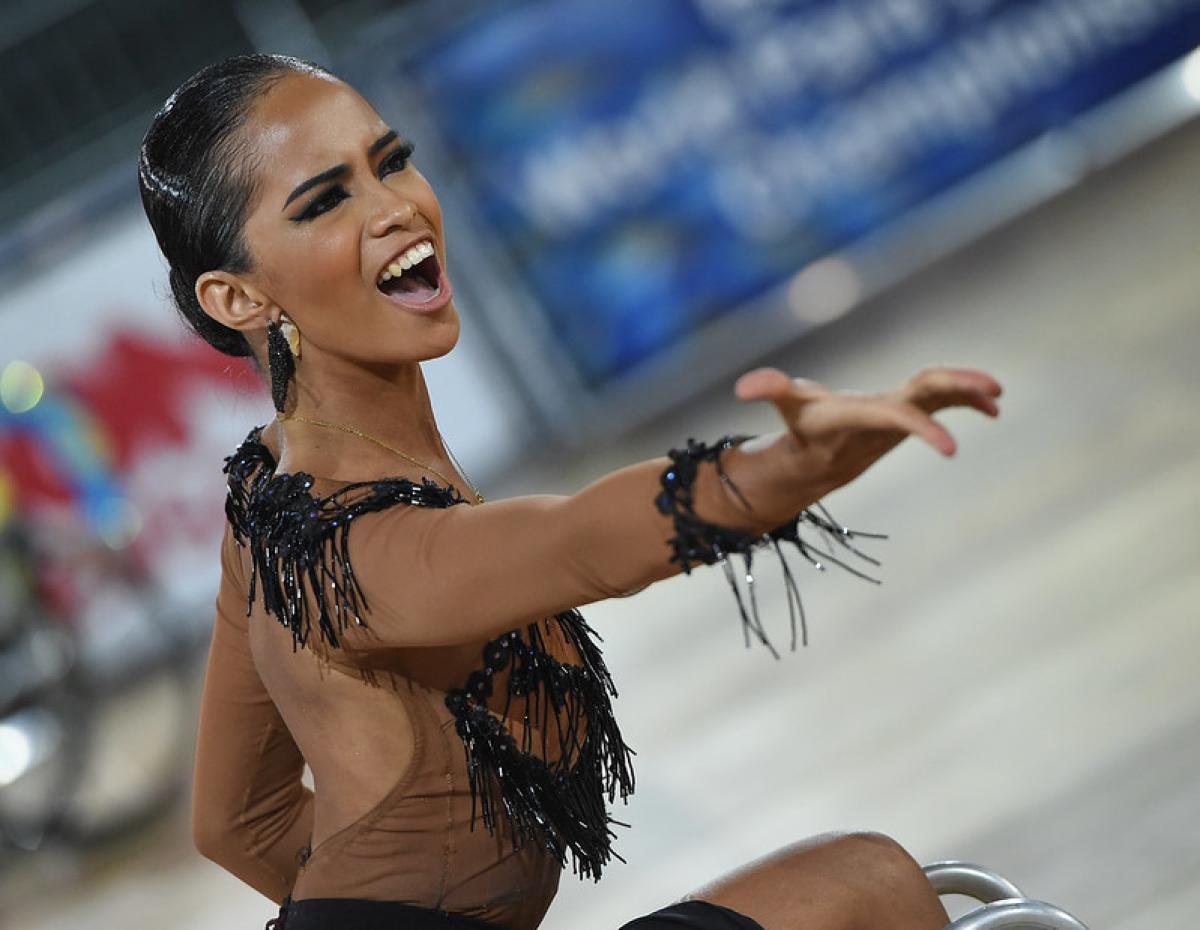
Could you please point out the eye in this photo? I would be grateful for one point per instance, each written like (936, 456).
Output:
(323, 203)
(396, 159)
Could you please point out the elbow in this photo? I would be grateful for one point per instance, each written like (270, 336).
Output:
(227, 848)
(214, 840)
(217, 832)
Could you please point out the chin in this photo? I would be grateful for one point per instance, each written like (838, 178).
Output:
(440, 353)
(438, 340)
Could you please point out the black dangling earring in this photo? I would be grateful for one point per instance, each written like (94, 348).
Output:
(281, 364)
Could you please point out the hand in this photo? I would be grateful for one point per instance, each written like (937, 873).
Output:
(838, 435)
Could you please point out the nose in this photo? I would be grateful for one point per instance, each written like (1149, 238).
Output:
(395, 212)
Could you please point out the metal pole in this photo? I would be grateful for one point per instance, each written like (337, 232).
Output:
(974, 881)
(1018, 915)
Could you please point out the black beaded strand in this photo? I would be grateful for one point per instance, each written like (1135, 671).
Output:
(281, 364)
(697, 541)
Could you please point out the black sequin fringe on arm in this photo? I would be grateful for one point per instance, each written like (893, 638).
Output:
(697, 541)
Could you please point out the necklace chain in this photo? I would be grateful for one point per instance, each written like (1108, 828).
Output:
(341, 427)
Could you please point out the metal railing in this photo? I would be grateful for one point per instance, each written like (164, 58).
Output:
(1004, 907)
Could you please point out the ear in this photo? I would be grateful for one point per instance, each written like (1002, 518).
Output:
(230, 299)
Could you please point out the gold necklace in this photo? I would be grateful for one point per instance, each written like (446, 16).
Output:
(325, 424)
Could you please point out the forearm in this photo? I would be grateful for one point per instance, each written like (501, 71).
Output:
(622, 539)
(251, 813)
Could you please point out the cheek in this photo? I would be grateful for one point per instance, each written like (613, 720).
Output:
(318, 270)
(427, 202)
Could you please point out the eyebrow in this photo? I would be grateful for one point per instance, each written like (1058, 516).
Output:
(338, 170)
(327, 175)
(382, 142)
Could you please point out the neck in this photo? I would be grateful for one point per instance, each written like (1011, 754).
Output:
(388, 403)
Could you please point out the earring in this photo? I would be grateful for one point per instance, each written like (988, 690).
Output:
(281, 364)
(290, 333)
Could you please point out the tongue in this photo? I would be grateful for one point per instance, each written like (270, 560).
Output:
(409, 289)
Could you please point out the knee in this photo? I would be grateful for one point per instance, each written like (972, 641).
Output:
(882, 864)
(879, 846)
(878, 853)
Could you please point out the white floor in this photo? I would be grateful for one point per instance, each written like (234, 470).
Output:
(1023, 691)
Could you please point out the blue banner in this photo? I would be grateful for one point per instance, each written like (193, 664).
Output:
(650, 164)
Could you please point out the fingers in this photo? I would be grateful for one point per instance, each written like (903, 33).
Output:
(769, 384)
(976, 400)
(788, 395)
(972, 376)
(934, 433)
(981, 402)
(911, 419)
(937, 388)
(967, 377)
(906, 411)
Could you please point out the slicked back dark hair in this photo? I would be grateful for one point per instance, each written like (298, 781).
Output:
(196, 178)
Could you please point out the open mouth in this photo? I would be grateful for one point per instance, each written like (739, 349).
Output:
(413, 279)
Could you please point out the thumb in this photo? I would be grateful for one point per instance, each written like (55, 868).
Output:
(763, 384)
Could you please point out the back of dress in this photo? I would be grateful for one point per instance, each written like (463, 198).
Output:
(456, 777)
(394, 805)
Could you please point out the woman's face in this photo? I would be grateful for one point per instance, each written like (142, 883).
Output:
(337, 205)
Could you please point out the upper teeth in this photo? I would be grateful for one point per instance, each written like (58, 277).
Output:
(414, 256)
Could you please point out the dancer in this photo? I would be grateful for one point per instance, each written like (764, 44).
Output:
(418, 647)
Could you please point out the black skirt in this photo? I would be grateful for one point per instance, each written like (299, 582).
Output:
(359, 914)
(694, 915)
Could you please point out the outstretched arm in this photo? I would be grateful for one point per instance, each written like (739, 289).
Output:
(435, 577)
(250, 813)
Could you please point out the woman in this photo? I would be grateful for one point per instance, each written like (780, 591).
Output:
(418, 647)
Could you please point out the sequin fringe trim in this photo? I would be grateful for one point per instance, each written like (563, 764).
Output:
(699, 542)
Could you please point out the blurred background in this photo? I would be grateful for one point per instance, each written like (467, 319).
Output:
(645, 198)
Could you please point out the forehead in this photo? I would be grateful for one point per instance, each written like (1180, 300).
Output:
(304, 124)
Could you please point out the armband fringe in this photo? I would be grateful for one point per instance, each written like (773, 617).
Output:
(697, 541)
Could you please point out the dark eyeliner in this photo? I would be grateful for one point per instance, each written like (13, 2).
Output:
(396, 159)
(322, 203)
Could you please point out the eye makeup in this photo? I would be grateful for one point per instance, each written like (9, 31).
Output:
(396, 160)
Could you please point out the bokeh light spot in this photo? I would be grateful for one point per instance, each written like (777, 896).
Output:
(21, 386)
(1191, 75)
(16, 753)
(824, 290)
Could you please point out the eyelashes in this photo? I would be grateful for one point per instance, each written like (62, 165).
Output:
(396, 160)
(322, 203)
